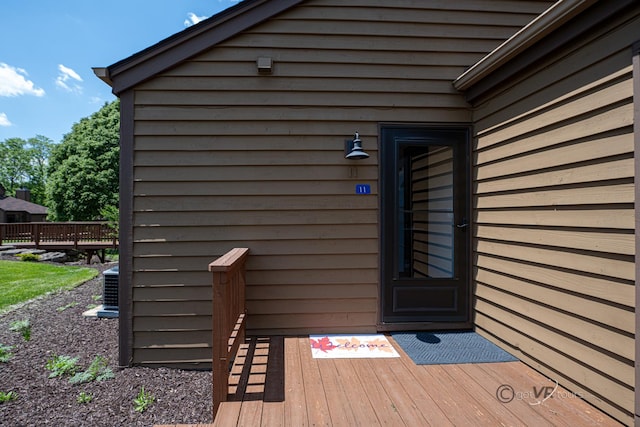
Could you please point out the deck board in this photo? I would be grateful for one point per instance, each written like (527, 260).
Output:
(314, 392)
(377, 394)
(387, 392)
(295, 410)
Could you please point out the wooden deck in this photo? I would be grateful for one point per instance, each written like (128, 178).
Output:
(276, 382)
(88, 237)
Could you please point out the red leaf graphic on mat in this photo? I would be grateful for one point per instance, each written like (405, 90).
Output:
(322, 344)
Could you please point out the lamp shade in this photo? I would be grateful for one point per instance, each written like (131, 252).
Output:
(354, 149)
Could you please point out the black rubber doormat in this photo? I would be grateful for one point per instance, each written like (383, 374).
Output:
(440, 348)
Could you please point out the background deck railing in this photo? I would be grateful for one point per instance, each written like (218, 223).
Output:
(70, 233)
(229, 317)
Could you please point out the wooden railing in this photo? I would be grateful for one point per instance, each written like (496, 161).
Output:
(70, 233)
(229, 317)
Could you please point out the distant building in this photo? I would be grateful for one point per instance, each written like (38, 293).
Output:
(20, 208)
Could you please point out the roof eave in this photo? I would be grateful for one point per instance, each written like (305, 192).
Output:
(103, 74)
(544, 24)
(141, 66)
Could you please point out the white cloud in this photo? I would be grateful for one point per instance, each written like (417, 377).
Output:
(14, 82)
(67, 79)
(193, 19)
(4, 120)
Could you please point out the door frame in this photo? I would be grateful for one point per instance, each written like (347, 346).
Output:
(383, 186)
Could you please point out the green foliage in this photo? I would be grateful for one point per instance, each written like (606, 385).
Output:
(7, 396)
(28, 257)
(20, 282)
(23, 327)
(5, 353)
(62, 365)
(39, 151)
(111, 214)
(143, 400)
(23, 164)
(14, 159)
(96, 297)
(66, 306)
(84, 397)
(83, 169)
(98, 371)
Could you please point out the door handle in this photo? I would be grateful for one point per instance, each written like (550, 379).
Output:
(463, 225)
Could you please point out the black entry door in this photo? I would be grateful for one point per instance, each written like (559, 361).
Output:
(425, 230)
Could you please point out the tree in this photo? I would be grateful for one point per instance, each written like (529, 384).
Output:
(14, 161)
(39, 149)
(83, 168)
(23, 164)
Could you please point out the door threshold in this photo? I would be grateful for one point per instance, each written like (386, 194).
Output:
(423, 326)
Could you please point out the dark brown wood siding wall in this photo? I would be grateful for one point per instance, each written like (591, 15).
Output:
(227, 157)
(554, 208)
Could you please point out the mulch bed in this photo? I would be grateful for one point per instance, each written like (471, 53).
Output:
(180, 396)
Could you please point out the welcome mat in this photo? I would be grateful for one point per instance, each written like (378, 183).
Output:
(439, 348)
(350, 346)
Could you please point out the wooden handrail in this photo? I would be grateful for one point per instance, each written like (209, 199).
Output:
(229, 318)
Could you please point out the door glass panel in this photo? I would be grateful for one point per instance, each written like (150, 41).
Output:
(425, 216)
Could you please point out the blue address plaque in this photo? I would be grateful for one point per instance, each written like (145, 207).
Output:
(363, 189)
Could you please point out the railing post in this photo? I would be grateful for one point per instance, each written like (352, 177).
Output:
(228, 318)
(220, 342)
(35, 234)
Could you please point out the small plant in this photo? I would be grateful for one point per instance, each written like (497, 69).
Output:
(7, 396)
(96, 297)
(28, 257)
(62, 365)
(70, 305)
(143, 400)
(98, 370)
(90, 306)
(84, 397)
(5, 353)
(23, 327)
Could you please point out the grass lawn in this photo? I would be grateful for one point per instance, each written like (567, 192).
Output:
(22, 281)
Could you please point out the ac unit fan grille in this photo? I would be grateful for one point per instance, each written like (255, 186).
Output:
(110, 291)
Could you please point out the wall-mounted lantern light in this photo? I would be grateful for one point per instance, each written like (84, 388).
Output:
(353, 149)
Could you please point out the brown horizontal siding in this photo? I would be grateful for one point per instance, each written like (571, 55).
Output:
(619, 216)
(225, 157)
(553, 197)
(270, 173)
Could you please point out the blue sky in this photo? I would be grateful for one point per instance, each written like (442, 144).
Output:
(47, 49)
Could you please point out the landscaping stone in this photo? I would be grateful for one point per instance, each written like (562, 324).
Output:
(13, 252)
(54, 257)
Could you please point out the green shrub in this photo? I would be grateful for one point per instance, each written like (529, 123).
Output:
(98, 370)
(143, 400)
(5, 353)
(62, 365)
(84, 397)
(23, 327)
(70, 305)
(7, 396)
(28, 257)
